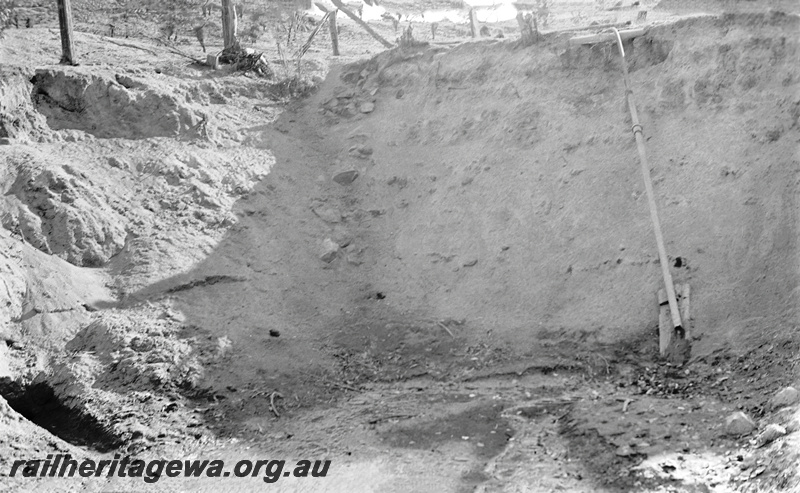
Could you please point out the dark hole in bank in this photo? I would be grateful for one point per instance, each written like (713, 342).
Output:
(38, 404)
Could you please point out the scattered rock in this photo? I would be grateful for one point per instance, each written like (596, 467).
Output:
(127, 82)
(345, 177)
(625, 451)
(361, 151)
(117, 163)
(786, 397)
(367, 107)
(354, 255)
(349, 110)
(344, 92)
(400, 182)
(342, 237)
(739, 423)
(772, 432)
(747, 461)
(331, 249)
(205, 196)
(327, 214)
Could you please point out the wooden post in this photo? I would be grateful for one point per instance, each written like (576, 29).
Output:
(334, 33)
(472, 29)
(65, 23)
(229, 25)
(339, 5)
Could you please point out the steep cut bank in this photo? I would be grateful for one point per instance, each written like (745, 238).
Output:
(507, 188)
(347, 277)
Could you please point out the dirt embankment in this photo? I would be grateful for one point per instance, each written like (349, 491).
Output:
(431, 212)
(506, 190)
(112, 180)
(488, 206)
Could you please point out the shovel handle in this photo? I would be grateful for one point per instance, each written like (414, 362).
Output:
(637, 130)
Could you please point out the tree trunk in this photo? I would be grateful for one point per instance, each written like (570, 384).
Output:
(334, 33)
(65, 23)
(229, 26)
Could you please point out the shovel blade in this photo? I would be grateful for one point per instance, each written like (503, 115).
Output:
(666, 332)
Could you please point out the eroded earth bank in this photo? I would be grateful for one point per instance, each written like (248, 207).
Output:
(436, 270)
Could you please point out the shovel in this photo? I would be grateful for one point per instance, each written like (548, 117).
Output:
(673, 336)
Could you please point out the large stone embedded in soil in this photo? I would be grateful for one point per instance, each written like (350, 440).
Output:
(739, 423)
(327, 214)
(771, 433)
(330, 250)
(345, 177)
(101, 106)
(786, 397)
(59, 213)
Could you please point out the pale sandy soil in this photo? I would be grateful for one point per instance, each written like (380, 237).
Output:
(475, 311)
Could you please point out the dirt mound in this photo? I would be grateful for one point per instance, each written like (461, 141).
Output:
(716, 6)
(109, 107)
(122, 372)
(57, 210)
(18, 120)
(139, 353)
(508, 187)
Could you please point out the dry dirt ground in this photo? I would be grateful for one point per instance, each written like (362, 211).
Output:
(436, 270)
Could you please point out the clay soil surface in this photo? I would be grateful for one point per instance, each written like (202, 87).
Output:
(433, 265)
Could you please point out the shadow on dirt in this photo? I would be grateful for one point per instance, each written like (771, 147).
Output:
(38, 404)
(482, 426)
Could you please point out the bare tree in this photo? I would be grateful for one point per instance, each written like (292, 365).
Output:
(230, 25)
